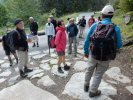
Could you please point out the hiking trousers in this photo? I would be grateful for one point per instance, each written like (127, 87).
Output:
(97, 69)
(81, 31)
(23, 59)
(73, 40)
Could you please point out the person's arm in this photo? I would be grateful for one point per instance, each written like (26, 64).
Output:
(118, 38)
(45, 29)
(87, 42)
(58, 36)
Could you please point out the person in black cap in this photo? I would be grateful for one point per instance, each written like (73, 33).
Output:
(21, 44)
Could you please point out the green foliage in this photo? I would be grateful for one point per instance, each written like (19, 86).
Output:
(3, 15)
(22, 9)
(126, 5)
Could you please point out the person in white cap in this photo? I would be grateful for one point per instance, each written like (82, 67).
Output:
(103, 38)
(34, 31)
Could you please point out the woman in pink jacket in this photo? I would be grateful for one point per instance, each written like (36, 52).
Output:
(60, 42)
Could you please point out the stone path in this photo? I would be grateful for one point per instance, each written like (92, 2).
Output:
(46, 82)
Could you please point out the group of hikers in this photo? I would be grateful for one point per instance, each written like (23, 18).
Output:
(101, 43)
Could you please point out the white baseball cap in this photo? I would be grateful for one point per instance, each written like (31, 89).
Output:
(31, 18)
(108, 10)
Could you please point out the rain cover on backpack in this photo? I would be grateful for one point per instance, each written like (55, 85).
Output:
(103, 42)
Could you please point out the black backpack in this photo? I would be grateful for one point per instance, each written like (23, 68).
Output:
(9, 39)
(103, 42)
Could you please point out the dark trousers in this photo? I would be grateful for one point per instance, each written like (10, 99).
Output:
(49, 38)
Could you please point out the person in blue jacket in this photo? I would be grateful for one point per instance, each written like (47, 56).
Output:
(97, 66)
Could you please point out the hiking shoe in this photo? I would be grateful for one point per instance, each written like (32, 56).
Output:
(86, 88)
(60, 70)
(37, 45)
(66, 67)
(91, 94)
(26, 70)
(22, 74)
(34, 45)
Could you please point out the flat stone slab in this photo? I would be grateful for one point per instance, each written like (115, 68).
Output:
(2, 61)
(80, 51)
(80, 66)
(37, 76)
(34, 72)
(75, 88)
(37, 57)
(25, 90)
(13, 80)
(46, 81)
(53, 62)
(54, 55)
(5, 73)
(34, 53)
(2, 80)
(5, 65)
(55, 72)
(45, 66)
(45, 61)
(130, 89)
(51, 51)
(116, 74)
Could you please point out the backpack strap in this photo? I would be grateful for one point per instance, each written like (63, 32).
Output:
(18, 33)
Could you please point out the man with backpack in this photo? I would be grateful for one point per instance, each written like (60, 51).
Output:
(82, 24)
(72, 31)
(101, 43)
(21, 45)
(8, 48)
(34, 31)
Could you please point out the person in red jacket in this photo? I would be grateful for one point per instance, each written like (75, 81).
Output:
(91, 21)
(60, 42)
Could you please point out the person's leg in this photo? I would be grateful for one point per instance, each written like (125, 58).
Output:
(75, 46)
(33, 40)
(89, 72)
(79, 31)
(7, 52)
(100, 70)
(26, 70)
(15, 55)
(66, 67)
(21, 63)
(82, 31)
(59, 64)
(36, 36)
(49, 43)
(70, 44)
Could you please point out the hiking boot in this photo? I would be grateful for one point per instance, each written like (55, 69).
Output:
(26, 70)
(22, 74)
(34, 45)
(66, 67)
(91, 94)
(37, 44)
(60, 70)
(11, 63)
(86, 88)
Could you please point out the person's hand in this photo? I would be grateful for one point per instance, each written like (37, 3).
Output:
(86, 55)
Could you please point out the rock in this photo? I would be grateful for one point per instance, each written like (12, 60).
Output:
(34, 53)
(51, 51)
(80, 66)
(53, 62)
(37, 76)
(45, 66)
(46, 81)
(80, 51)
(16, 69)
(5, 65)
(116, 74)
(130, 89)
(80, 47)
(34, 72)
(53, 55)
(2, 80)
(2, 61)
(5, 73)
(55, 71)
(25, 90)
(75, 88)
(13, 80)
(36, 57)
(113, 82)
(45, 61)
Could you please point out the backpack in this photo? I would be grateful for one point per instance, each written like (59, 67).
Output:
(103, 42)
(52, 42)
(9, 39)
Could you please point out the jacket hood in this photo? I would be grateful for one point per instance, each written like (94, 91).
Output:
(60, 28)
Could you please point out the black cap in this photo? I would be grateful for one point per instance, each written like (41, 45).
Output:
(17, 21)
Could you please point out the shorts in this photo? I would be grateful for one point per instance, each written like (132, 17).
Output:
(8, 52)
(35, 38)
(61, 53)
